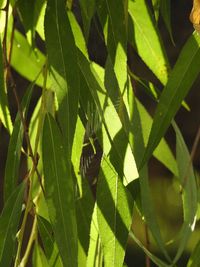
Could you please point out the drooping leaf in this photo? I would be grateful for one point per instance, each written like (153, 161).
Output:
(156, 260)
(112, 15)
(145, 38)
(106, 110)
(29, 13)
(60, 194)
(194, 259)
(14, 148)
(114, 214)
(50, 247)
(162, 151)
(39, 259)
(87, 12)
(9, 221)
(95, 255)
(63, 67)
(84, 208)
(165, 10)
(23, 55)
(189, 191)
(4, 109)
(180, 81)
(145, 204)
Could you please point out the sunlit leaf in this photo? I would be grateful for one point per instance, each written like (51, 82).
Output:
(62, 58)
(4, 109)
(114, 214)
(59, 190)
(39, 259)
(95, 255)
(180, 81)
(145, 38)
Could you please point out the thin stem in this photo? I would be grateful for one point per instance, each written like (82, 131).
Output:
(22, 230)
(30, 243)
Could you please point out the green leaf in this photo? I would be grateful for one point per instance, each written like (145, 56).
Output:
(189, 191)
(95, 255)
(194, 259)
(108, 115)
(162, 151)
(4, 109)
(114, 214)
(87, 12)
(29, 12)
(165, 10)
(23, 55)
(180, 81)
(112, 16)
(9, 222)
(84, 210)
(146, 206)
(50, 247)
(61, 51)
(14, 148)
(60, 195)
(38, 258)
(144, 37)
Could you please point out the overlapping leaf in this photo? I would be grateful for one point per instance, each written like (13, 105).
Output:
(144, 36)
(114, 214)
(59, 190)
(61, 51)
(9, 222)
(180, 81)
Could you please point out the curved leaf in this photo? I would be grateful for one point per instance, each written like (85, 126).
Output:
(180, 81)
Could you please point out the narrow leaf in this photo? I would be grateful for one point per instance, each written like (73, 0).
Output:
(180, 81)
(9, 222)
(95, 255)
(189, 194)
(61, 50)
(39, 259)
(59, 190)
(4, 109)
(14, 148)
(145, 38)
(50, 247)
(114, 214)
(194, 259)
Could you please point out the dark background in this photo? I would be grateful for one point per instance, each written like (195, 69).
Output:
(164, 189)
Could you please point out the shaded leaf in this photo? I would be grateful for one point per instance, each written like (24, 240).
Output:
(180, 81)
(114, 214)
(50, 247)
(60, 195)
(145, 38)
(9, 222)
(194, 259)
(189, 191)
(14, 148)
(95, 255)
(63, 67)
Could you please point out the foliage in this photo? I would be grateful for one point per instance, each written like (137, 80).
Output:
(87, 116)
